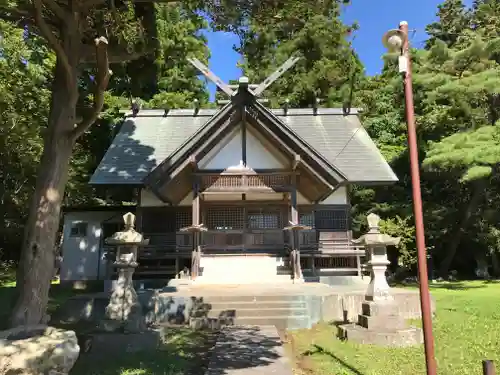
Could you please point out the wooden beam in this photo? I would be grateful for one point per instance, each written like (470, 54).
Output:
(277, 73)
(193, 162)
(296, 162)
(211, 76)
(243, 137)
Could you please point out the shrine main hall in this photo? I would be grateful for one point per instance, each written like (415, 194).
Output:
(242, 194)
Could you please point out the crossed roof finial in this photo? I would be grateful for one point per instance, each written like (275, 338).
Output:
(257, 91)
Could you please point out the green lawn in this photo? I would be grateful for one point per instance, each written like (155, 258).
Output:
(466, 331)
(182, 352)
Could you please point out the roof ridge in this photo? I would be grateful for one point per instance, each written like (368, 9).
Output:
(207, 112)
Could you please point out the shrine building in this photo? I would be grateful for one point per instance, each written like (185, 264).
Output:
(236, 195)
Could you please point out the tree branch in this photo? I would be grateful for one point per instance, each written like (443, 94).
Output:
(54, 43)
(88, 4)
(57, 10)
(102, 79)
(88, 55)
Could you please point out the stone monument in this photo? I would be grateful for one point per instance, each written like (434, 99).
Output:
(124, 311)
(380, 322)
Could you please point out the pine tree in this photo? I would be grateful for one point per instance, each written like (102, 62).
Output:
(313, 31)
(453, 21)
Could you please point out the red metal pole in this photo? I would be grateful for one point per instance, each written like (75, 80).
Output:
(425, 299)
(488, 367)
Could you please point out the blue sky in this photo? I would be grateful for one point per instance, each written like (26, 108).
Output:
(374, 17)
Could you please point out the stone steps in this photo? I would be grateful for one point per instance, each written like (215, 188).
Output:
(257, 312)
(251, 305)
(284, 312)
(256, 299)
(269, 279)
(280, 322)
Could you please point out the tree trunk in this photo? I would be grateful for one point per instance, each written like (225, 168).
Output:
(38, 249)
(495, 264)
(451, 251)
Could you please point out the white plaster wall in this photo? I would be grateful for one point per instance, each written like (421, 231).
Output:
(339, 196)
(149, 199)
(82, 258)
(228, 153)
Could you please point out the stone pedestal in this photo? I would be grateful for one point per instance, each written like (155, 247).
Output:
(380, 322)
(124, 310)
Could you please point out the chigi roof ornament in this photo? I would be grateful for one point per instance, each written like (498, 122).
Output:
(243, 82)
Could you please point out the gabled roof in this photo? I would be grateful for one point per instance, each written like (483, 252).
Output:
(149, 138)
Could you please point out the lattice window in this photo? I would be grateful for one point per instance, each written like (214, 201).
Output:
(158, 220)
(225, 218)
(265, 218)
(336, 219)
(183, 218)
(306, 217)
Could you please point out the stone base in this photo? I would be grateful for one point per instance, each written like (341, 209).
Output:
(130, 326)
(106, 344)
(381, 324)
(403, 337)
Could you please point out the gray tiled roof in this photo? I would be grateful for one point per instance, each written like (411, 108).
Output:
(146, 140)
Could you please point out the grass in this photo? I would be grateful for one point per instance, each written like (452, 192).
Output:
(466, 331)
(182, 352)
(57, 295)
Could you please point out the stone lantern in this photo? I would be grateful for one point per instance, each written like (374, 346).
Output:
(124, 310)
(380, 321)
(376, 244)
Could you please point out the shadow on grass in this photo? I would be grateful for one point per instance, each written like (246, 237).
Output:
(182, 351)
(322, 351)
(8, 294)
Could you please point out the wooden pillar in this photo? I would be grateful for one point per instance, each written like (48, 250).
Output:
(138, 212)
(294, 213)
(195, 257)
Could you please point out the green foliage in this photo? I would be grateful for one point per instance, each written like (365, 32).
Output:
(465, 331)
(475, 153)
(313, 31)
(24, 97)
(403, 228)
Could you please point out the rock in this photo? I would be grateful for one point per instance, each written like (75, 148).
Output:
(36, 350)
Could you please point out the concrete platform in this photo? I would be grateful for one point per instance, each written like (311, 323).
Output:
(247, 350)
(292, 306)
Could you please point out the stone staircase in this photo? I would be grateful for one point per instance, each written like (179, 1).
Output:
(281, 311)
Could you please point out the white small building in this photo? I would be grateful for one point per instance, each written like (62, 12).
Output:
(243, 173)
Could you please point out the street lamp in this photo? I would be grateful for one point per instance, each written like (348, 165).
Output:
(397, 41)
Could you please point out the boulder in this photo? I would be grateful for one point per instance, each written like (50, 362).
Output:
(37, 350)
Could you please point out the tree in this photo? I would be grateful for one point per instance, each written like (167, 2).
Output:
(24, 73)
(313, 31)
(70, 28)
(453, 21)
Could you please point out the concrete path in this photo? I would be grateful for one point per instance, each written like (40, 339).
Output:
(248, 350)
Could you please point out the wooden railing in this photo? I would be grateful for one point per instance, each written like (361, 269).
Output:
(161, 245)
(239, 240)
(167, 245)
